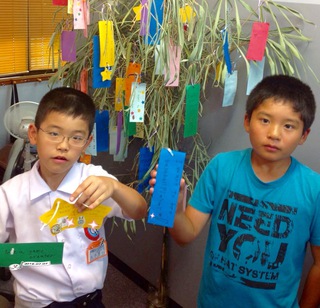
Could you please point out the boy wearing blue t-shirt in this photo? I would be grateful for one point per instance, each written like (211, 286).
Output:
(262, 205)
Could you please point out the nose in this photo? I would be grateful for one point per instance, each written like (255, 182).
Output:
(274, 132)
(64, 143)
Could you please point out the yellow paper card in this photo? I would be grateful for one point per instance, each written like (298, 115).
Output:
(106, 40)
(137, 11)
(64, 215)
(186, 14)
(120, 94)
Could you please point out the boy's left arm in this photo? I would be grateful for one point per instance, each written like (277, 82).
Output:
(95, 189)
(311, 291)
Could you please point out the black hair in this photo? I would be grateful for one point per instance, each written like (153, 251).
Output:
(287, 89)
(68, 101)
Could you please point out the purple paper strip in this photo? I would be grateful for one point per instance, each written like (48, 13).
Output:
(68, 46)
(144, 17)
(119, 128)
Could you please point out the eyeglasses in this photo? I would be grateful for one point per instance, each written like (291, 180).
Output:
(76, 140)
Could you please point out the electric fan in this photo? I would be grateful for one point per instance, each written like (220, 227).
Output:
(17, 119)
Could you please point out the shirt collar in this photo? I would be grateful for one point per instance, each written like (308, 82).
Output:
(39, 187)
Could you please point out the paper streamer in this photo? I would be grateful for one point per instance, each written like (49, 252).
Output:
(68, 46)
(137, 102)
(192, 109)
(258, 41)
(155, 23)
(166, 190)
(97, 81)
(255, 74)
(174, 66)
(102, 128)
(226, 51)
(119, 130)
(144, 17)
(230, 89)
(145, 159)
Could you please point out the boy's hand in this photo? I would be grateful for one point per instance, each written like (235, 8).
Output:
(92, 192)
(181, 203)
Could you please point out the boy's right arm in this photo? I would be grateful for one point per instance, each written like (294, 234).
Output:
(188, 222)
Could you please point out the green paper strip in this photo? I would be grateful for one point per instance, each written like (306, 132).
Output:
(130, 127)
(30, 254)
(192, 107)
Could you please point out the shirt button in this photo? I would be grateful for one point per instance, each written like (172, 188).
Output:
(69, 266)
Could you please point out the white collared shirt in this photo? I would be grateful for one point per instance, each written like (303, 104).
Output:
(23, 199)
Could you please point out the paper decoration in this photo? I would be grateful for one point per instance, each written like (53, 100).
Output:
(92, 148)
(120, 97)
(85, 158)
(192, 109)
(106, 41)
(155, 23)
(119, 130)
(19, 255)
(174, 66)
(187, 14)
(166, 190)
(137, 102)
(60, 2)
(81, 15)
(84, 81)
(70, 6)
(122, 154)
(130, 127)
(226, 51)
(159, 66)
(97, 81)
(68, 46)
(230, 89)
(144, 17)
(258, 41)
(137, 11)
(65, 215)
(145, 159)
(113, 139)
(102, 130)
(255, 74)
(132, 75)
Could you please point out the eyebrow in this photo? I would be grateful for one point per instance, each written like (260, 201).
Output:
(263, 113)
(60, 128)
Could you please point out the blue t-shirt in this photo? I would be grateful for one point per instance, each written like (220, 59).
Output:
(258, 232)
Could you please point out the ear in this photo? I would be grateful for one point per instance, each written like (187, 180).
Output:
(246, 123)
(32, 134)
(304, 136)
(87, 144)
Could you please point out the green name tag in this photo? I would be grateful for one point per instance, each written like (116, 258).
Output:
(30, 254)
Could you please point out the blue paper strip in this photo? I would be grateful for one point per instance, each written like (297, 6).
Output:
(102, 129)
(226, 51)
(166, 190)
(156, 19)
(145, 159)
(255, 74)
(96, 70)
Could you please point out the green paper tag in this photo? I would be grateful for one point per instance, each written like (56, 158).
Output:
(192, 108)
(30, 254)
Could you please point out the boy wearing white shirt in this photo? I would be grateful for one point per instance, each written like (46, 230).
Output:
(62, 132)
